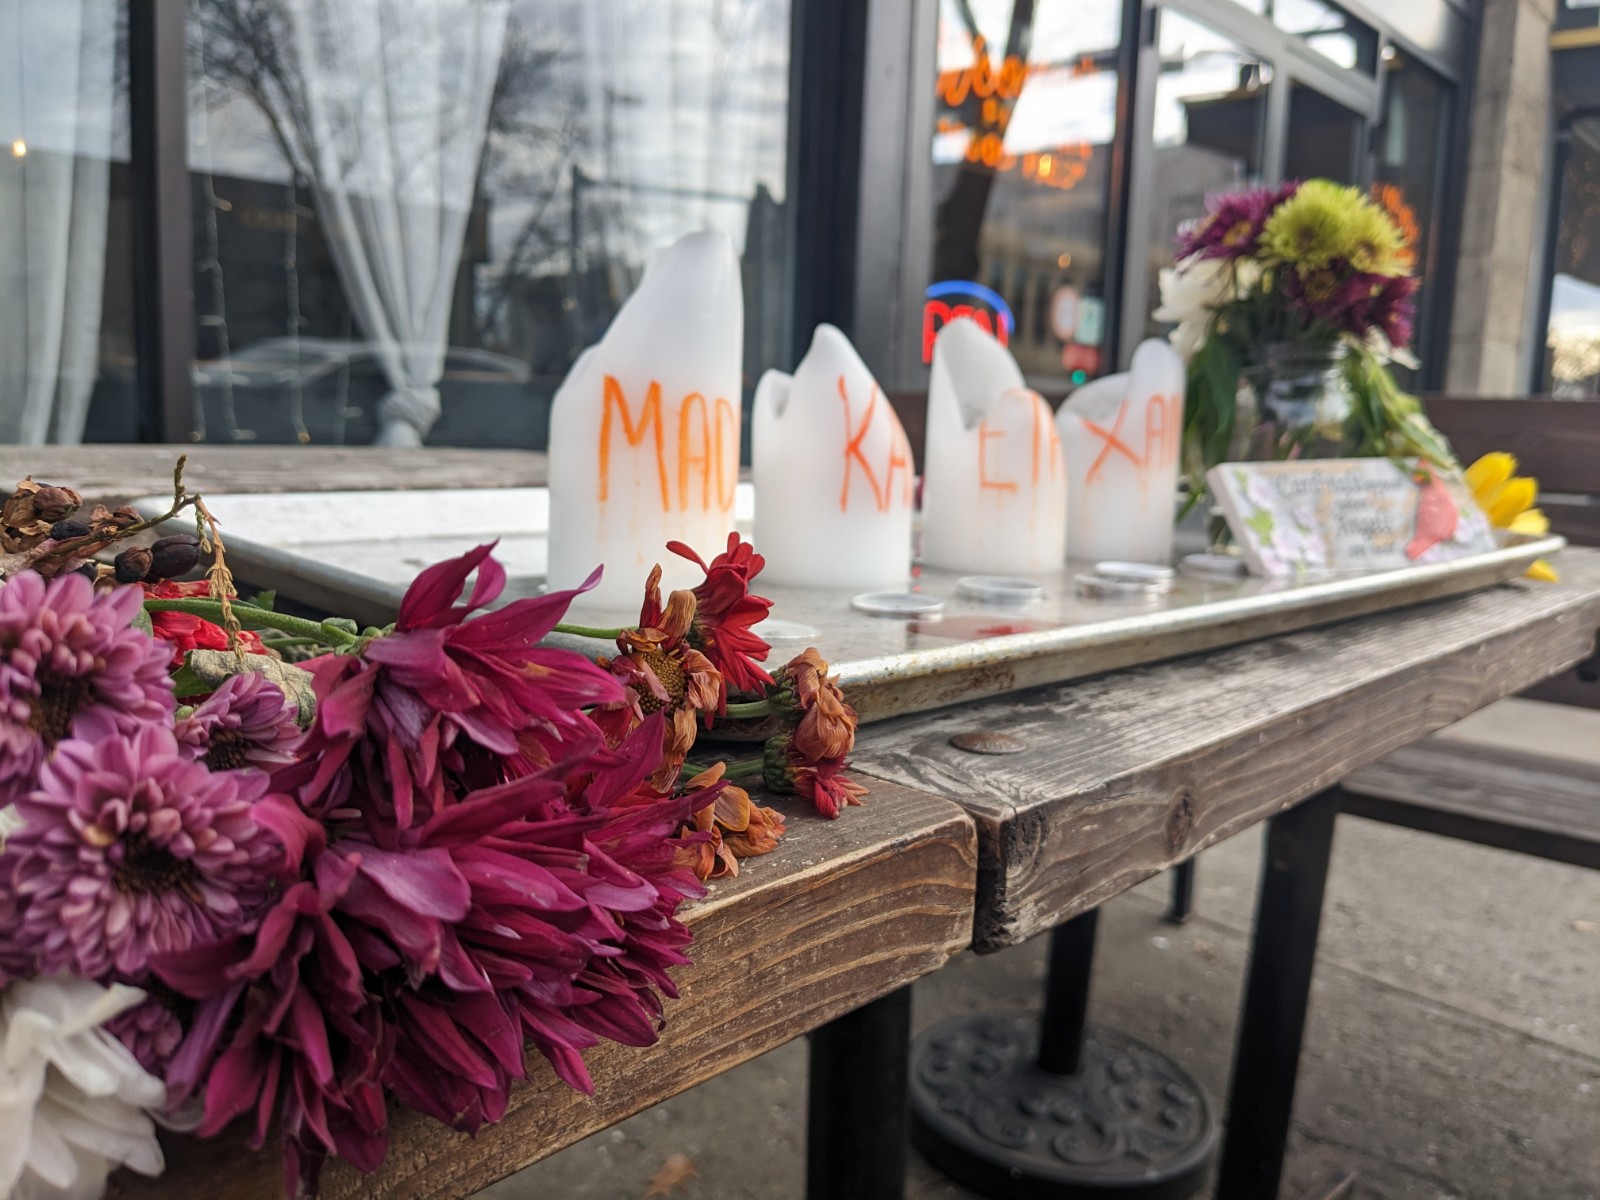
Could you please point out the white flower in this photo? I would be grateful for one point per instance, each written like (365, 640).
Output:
(10, 822)
(72, 1098)
(1378, 343)
(1191, 293)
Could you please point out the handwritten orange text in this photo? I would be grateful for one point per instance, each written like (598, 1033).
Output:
(897, 460)
(707, 435)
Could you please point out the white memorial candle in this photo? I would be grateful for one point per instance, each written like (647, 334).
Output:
(994, 492)
(1122, 436)
(832, 468)
(644, 431)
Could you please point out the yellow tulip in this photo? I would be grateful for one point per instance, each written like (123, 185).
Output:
(1508, 499)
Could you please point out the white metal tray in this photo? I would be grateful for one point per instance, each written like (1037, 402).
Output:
(354, 553)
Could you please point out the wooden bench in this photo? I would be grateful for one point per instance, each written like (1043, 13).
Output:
(842, 914)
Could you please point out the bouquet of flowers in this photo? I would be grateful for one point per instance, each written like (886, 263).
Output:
(1311, 281)
(238, 886)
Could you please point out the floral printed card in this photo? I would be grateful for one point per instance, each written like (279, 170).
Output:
(1352, 514)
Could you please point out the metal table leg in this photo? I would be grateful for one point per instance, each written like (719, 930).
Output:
(856, 1110)
(1294, 873)
(1057, 1108)
(1182, 905)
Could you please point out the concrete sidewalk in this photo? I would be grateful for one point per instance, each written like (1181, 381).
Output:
(1453, 1049)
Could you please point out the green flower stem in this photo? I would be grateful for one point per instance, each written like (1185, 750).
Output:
(257, 618)
(748, 769)
(749, 708)
(589, 631)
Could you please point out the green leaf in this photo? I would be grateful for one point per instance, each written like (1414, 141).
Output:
(263, 600)
(342, 624)
(206, 670)
(141, 621)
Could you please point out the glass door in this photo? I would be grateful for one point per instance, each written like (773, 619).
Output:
(1237, 95)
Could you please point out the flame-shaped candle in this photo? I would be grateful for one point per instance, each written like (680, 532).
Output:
(994, 491)
(1122, 435)
(644, 431)
(832, 469)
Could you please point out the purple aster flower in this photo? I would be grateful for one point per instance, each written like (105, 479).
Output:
(151, 1029)
(71, 665)
(1232, 225)
(244, 723)
(129, 849)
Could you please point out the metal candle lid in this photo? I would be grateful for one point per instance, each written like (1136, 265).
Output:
(1009, 590)
(1098, 587)
(1134, 572)
(897, 604)
(1212, 566)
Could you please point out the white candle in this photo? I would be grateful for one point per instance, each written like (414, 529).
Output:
(644, 431)
(1122, 437)
(833, 470)
(994, 493)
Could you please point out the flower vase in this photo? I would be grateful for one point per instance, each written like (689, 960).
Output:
(1292, 403)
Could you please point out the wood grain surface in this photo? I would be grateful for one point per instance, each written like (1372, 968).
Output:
(841, 913)
(113, 475)
(1124, 775)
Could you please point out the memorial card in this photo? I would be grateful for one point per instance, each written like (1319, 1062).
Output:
(1354, 514)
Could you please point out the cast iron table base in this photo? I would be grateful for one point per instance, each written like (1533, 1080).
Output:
(1058, 1109)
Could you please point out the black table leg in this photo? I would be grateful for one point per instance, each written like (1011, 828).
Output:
(1018, 1108)
(1182, 906)
(856, 1111)
(1294, 873)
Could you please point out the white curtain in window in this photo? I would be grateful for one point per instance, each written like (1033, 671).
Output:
(393, 104)
(56, 88)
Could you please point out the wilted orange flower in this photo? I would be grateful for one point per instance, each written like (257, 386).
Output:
(821, 781)
(663, 673)
(727, 613)
(735, 827)
(803, 688)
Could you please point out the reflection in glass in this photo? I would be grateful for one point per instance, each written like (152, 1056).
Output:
(1572, 343)
(1323, 139)
(1409, 174)
(1210, 108)
(1329, 31)
(1025, 109)
(66, 345)
(420, 241)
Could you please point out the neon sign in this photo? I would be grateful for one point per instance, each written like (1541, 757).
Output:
(952, 301)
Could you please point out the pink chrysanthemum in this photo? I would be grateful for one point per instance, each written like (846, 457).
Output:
(244, 723)
(71, 664)
(129, 849)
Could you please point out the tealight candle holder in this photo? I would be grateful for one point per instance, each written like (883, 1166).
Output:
(833, 473)
(994, 494)
(644, 430)
(1122, 436)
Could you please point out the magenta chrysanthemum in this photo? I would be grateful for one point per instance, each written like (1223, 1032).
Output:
(244, 723)
(448, 701)
(71, 664)
(1232, 225)
(129, 849)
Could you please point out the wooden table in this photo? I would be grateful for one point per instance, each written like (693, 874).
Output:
(842, 915)
(1119, 777)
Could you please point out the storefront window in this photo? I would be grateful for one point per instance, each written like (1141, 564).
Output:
(1025, 118)
(1210, 113)
(1413, 143)
(410, 218)
(66, 291)
(1329, 31)
(1572, 350)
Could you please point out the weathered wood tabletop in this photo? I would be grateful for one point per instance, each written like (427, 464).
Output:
(1122, 776)
(113, 475)
(843, 912)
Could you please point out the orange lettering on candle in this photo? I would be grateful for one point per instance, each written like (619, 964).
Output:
(984, 436)
(649, 415)
(1046, 441)
(852, 450)
(727, 439)
(899, 460)
(1112, 442)
(1160, 442)
(694, 402)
